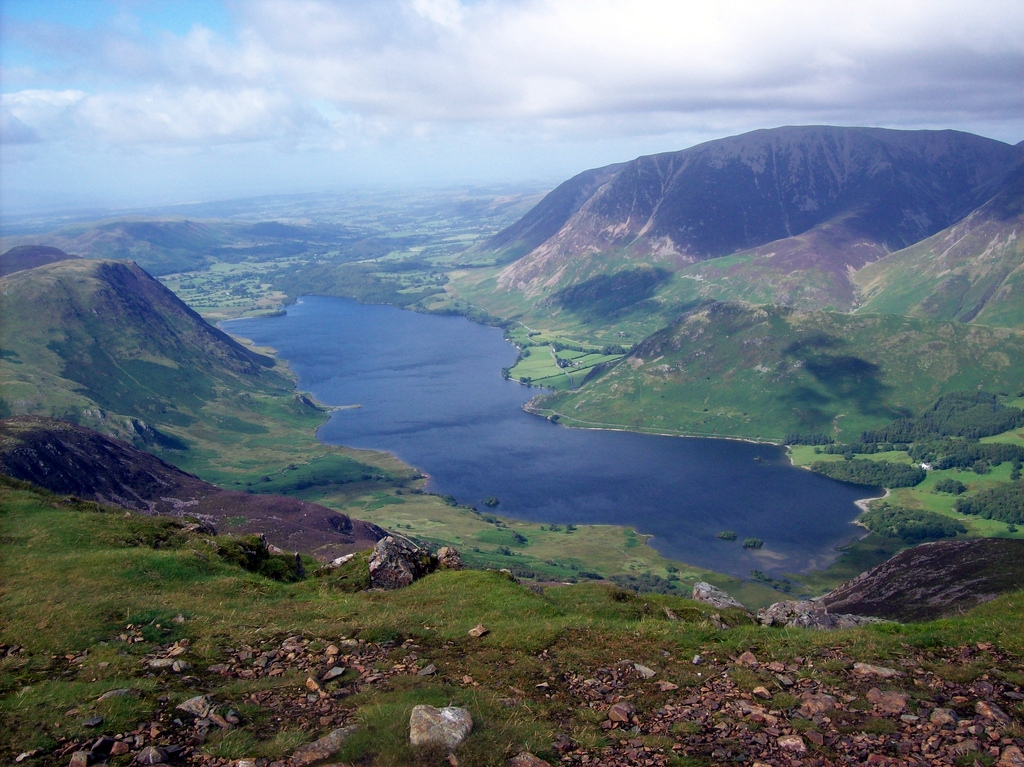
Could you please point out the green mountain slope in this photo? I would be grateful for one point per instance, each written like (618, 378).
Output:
(727, 369)
(973, 271)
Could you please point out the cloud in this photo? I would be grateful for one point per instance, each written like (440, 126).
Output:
(326, 73)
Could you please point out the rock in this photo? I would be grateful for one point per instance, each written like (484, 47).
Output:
(428, 670)
(395, 563)
(334, 564)
(621, 712)
(151, 755)
(866, 669)
(320, 749)
(943, 717)
(747, 659)
(991, 711)
(1011, 757)
(27, 755)
(792, 743)
(448, 727)
(714, 596)
(116, 694)
(95, 721)
(180, 665)
(119, 748)
(313, 686)
(644, 671)
(332, 673)
(479, 630)
(101, 747)
(449, 559)
(178, 619)
(810, 614)
(526, 759)
(762, 693)
(667, 686)
(670, 614)
(200, 706)
(815, 704)
(79, 759)
(246, 763)
(891, 703)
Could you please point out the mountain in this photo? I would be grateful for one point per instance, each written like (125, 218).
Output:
(104, 342)
(729, 369)
(72, 460)
(29, 257)
(972, 271)
(807, 204)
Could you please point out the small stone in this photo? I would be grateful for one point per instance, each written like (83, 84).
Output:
(621, 712)
(320, 749)
(747, 659)
(814, 704)
(943, 717)
(449, 559)
(762, 693)
(866, 669)
(427, 670)
(95, 721)
(179, 619)
(1011, 757)
(27, 755)
(180, 665)
(526, 759)
(887, 702)
(991, 711)
(313, 686)
(697, 660)
(815, 737)
(332, 673)
(151, 755)
(793, 743)
(644, 671)
(245, 763)
(479, 630)
(79, 759)
(448, 727)
(116, 694)
(671, 614)
(667, 686)
(119, 748)
(200, 706)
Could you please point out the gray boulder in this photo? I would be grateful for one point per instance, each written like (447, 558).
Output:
(714, 596)
(395, 563)
(449, 559)
(447, 727)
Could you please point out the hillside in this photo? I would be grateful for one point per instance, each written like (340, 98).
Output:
(150, 618)
(818, 201)
(101, 339)
(29, 257)
(972, 271)
(72, 460)
(726, 369)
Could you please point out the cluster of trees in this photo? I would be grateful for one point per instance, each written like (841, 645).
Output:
(1004, 503)
(958, 414)
(648, 583)
(875, 473)
(952, 486)
(964, 454)
(808, 439)
(861, 448)
(910, 524)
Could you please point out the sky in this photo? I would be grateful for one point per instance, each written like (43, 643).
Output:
(141, 102)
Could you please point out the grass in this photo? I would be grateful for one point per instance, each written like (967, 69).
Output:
(120, 571)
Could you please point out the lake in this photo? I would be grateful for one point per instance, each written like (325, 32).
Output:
(430, 391)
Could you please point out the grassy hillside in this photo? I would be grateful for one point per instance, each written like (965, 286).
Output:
(972, 271)
(138, 592)
(762, 372)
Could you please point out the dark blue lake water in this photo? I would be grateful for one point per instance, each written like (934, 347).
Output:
(431, 393)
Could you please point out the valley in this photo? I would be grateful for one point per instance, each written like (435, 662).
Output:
(853, 294)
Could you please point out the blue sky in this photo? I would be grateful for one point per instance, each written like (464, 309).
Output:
(124, 102)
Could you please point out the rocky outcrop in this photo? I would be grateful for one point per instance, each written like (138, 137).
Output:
(812, 614)
(714, 596)
(449, 559)
(395, 562)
